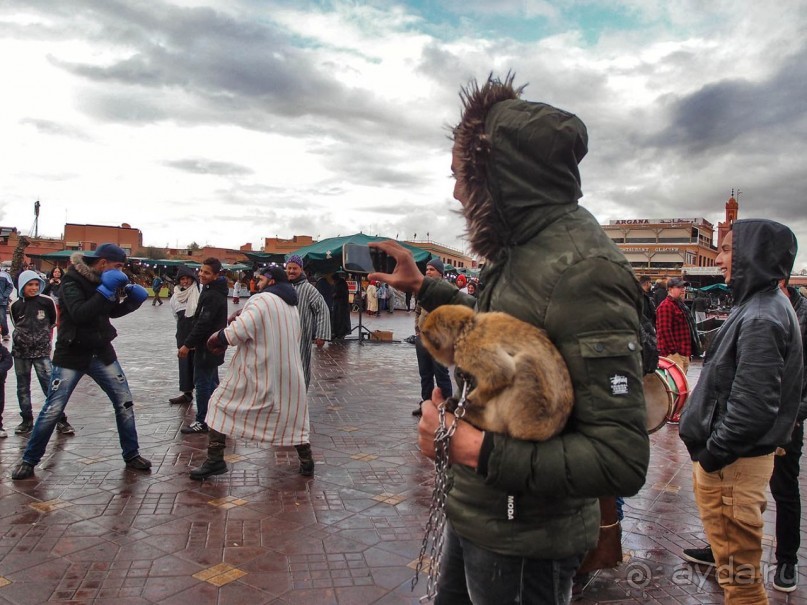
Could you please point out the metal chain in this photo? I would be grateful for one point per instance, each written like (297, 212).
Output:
(435, 525)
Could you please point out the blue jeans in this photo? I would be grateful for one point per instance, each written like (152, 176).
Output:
(63, 380)
(475, 576)
(22, 368)
(205, 379)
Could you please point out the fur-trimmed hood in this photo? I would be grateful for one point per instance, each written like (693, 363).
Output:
(83, 269)
(517, 164)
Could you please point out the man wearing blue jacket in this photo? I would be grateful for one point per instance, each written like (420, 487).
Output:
(745, 403)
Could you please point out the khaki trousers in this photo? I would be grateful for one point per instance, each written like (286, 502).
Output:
(681, 361)
(731, 502)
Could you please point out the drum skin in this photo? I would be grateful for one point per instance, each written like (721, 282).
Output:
(658, 400)
(665, 391)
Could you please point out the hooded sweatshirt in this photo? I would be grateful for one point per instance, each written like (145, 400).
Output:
(549, 263)
(748, 394)
(34, 318)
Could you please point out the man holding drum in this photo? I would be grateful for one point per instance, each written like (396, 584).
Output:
(672, 325)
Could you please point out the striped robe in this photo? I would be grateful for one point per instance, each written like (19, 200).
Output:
(315, 319)
(262, 397)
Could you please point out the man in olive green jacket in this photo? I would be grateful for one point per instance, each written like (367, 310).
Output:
(529, 510)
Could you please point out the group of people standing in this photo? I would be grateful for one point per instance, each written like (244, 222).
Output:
(273, 334)
(379, 297)
(263, 394)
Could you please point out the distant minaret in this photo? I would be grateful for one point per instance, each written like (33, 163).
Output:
(732, 210)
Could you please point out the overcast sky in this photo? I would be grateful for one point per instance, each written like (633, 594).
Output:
(224, 122)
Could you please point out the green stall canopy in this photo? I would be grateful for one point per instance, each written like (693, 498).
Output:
(326, 256)
(722, 287)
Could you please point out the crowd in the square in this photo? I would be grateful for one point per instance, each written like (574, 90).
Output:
(524, 518)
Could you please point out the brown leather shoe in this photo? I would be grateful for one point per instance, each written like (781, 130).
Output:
(184, 398)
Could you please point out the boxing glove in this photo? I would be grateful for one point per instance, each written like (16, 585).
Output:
(110, 282)
(136, 293)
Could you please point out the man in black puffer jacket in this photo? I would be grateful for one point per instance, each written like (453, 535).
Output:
(210, 317)
(93, 290)
(745, 403)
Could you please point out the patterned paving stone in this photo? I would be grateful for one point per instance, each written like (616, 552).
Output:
(88, 530)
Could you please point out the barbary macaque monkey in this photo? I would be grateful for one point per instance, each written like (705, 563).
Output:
(521, 386)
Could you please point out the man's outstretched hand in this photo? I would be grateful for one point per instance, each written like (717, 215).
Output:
(406, 276)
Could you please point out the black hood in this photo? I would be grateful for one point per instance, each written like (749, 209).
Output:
(284, 290)
(763, 252)
(184, 271)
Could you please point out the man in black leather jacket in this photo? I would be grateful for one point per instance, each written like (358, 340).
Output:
(745, 403)
(784, 481)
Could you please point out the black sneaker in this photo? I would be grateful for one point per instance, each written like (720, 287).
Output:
(194, 428)
(786, 578)
(64, 428)
(700, 556)
(208, 469)
(24, 427)
(138, 463)
(23, 471)
(418, 411)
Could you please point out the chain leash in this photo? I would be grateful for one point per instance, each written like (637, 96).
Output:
(435, 525)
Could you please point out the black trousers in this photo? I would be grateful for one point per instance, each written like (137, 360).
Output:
(785, 491)
(431, 371)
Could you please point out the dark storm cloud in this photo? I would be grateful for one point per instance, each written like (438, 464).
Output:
(196, 65)
(202, 166)
(683, 155)
(736, 111)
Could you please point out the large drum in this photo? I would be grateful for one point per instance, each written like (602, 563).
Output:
(658, 400)
(679, 387)
(665, 393)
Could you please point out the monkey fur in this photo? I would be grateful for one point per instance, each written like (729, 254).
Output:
(520, 384)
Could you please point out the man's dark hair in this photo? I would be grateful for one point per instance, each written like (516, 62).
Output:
(213, 263)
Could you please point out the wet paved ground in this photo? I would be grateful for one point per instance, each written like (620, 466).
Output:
(87, 530)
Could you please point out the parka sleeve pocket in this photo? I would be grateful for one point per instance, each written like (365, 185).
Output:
(612, 368)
